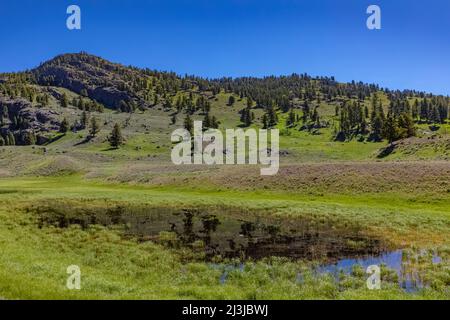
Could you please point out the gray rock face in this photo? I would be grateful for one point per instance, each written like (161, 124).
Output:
(36, 121)
(109, 96)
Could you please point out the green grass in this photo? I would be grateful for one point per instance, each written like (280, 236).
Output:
(34, 261)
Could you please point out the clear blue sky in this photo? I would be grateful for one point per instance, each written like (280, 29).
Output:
(214, 38)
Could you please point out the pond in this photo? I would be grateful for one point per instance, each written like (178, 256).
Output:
(223, 232)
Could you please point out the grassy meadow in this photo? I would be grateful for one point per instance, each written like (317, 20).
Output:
(34, 259)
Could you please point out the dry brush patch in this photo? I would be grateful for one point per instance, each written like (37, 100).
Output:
(337, 177)
(354, 178)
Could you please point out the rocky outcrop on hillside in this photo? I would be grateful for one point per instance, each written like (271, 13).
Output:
(103, 81)
(24, 121)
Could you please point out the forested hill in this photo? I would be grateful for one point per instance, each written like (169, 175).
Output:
(91, 84)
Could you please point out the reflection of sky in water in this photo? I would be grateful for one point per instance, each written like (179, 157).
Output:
(409, 281)
(392, 260)
(436, 259)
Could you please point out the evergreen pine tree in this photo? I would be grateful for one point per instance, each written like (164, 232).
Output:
(265, 121)
(306, 111)
(376, 128)
(64, 101)
(406, 125)
(390, 130)
(246, 117)
(291, 119)
(94, 127)
(249, 102)
(231, 100)
(64, 126)
(84, 119)
(207, 121)
(11, 140)
(188, 123)
(116, 139)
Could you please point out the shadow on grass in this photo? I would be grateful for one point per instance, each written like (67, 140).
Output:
(386, 151)
(54, 139)
(110, 149)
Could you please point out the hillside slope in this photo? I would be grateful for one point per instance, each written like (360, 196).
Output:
(319, 118)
